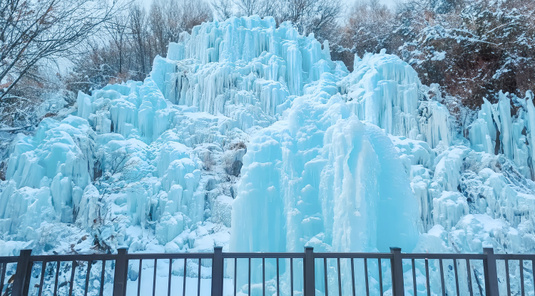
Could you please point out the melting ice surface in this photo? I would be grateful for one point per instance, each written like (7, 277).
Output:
(249, 136)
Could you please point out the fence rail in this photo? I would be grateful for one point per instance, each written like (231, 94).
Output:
(308, 273)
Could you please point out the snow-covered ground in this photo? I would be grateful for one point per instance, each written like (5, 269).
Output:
(248, 136)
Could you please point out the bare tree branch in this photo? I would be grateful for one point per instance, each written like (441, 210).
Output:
(33, 31)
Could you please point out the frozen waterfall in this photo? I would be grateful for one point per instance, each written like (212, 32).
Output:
(248, 135)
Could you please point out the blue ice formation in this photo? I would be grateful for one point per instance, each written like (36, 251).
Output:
(321, 177)
(248, 135)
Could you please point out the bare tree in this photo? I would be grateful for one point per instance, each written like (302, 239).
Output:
(33, 31)
(158, 24)
(323, 21)
(248, 7)
(310, 16)
(369, 28)
(138, 25)
(222, 8)
(168, 18)
(117, 28)
(195, 13)
(132, 39)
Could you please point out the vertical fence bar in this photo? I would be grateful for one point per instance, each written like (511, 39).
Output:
(469, 273)
(71, 281)
(366, 280)
(507, 277)
(184, 279)
(442, 280)
(249, 278)
(87, 276)
(292, 277)
(217, 272)
(278, 278)
(309, 270)
(140, 270)
(22, 275)
(353, 276)
(456, 277)
(427, 280)
(339, 277)
(198, 279)
(325, 276)
(522, 290)
(397, 272)
(263, 276)
(380, 277)
(170, 277)
(41, 281)
(414, 283)
(533, 274)
(491, 275)
(235, 275)
(102, 276)
(56, 279)
(3, 267)
(121, 269)
(154, 275)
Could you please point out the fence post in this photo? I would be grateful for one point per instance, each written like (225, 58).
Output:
(309, 272)
(22, 276)
(491, 275)
(121, 271)
(217, 272)
(398, 288)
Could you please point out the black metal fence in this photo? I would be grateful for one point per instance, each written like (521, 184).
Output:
(306, 273)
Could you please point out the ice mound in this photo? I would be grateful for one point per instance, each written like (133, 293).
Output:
(322, 177)
(248, 135)
(154, 163)
(250, 69)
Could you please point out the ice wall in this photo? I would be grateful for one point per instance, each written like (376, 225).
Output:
(321, 177)
(248, 135)
(250, 69)
(496, 131)
(385, 91)
(153, 164)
